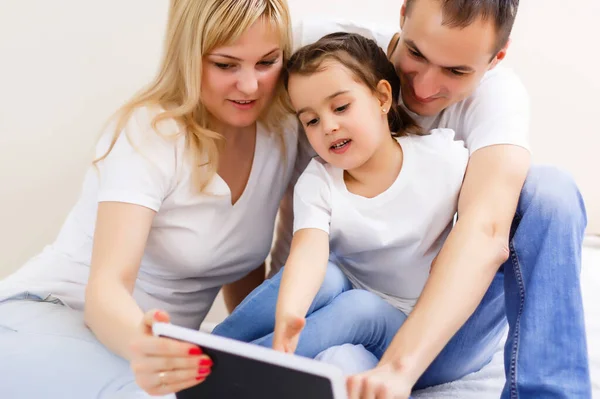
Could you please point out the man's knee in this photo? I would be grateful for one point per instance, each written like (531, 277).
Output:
(552, 194)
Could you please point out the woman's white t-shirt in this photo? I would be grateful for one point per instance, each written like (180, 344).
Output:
(386, 244)
(197, 242)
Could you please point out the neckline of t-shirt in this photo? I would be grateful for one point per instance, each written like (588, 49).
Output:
(258, 151)
(398, 184)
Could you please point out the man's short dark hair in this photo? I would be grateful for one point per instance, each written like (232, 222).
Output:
(462, 13)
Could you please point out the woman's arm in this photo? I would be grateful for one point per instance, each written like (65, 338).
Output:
(119, 241)
(234, 293)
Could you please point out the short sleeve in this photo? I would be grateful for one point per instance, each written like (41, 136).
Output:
(312, 199)
(497, 112)
(141, 167)
(309, 30)
(452, 150)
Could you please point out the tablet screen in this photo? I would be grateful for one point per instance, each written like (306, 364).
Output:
(234, 376)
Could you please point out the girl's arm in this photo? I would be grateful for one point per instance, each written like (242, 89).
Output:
(302, 277)
(304, 272)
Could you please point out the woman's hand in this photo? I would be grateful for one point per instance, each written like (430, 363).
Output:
(163, 365)
(287, 333)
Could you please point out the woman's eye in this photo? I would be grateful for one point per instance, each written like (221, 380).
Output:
(222, 66)
(267, 63)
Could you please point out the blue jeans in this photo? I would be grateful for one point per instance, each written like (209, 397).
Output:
(537, 290)
(360, 317)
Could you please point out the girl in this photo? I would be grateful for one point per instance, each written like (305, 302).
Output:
(370, 212)
(180, 202)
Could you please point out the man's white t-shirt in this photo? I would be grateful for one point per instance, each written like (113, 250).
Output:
(386, 244)
(196, 244)
(497, 112)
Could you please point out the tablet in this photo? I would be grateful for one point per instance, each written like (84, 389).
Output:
(248, 371)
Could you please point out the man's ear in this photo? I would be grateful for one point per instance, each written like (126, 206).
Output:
(499, 56)
(384, 93)
(402, 14)
(393, 44)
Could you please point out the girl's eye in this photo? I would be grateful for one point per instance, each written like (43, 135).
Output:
(312, 122)
(342, 108)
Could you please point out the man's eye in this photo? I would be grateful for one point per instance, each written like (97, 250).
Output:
(415, 53)
(457, 72)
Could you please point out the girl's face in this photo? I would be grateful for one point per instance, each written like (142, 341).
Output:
(345, 122)
(239, 80)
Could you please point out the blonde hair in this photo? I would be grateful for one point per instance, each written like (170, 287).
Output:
(196, 27)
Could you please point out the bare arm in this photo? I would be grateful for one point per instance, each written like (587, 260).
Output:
(468, 261)
(119, 242)
(303, 273)
(234, 293)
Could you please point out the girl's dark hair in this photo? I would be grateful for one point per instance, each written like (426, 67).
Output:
(365, 59)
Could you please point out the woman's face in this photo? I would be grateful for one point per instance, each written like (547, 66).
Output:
(239, 80)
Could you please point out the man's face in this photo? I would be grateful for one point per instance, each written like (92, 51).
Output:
(440, 65)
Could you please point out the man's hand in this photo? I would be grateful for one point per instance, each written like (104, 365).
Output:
(383, 382)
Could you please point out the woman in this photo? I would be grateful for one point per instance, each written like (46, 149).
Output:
(180, 202)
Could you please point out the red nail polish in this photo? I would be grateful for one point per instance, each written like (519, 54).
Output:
(206, 362)
(200, 378)
(195, 351)
(203, 370)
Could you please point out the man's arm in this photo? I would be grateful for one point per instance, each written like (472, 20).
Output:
(234, 293)
(468, 261)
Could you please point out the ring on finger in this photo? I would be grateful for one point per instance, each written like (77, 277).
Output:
(161, 378)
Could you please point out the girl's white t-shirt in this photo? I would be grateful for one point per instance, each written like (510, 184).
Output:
(197, 242)
(386, 244)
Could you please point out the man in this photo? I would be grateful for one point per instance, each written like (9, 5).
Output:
(515, 252)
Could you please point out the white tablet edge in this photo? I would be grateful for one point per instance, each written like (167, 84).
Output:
(332, 373)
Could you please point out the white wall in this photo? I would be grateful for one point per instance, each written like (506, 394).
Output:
(67, 64)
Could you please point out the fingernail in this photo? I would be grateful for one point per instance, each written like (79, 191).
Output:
(200, 378)
(195, 351)
(206, 362)
(204, 370)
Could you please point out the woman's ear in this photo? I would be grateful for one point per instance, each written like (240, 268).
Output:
(384, 93)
